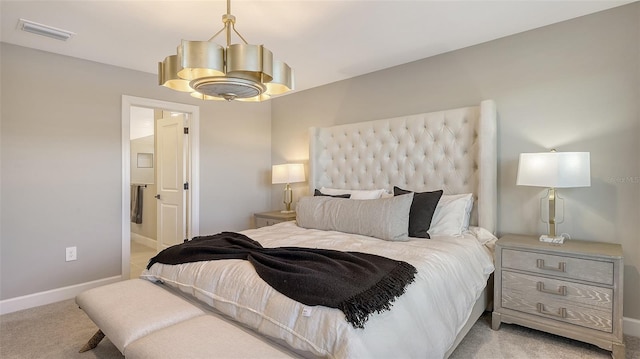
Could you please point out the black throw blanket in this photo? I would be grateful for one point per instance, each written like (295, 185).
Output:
(359, 284)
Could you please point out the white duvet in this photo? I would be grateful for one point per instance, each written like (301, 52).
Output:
(423, 323)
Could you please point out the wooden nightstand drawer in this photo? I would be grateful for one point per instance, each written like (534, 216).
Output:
(270, 218)
(578, 304)
(263, 222)
(561, 266)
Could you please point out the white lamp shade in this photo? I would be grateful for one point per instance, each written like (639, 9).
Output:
(554, 169)
(287, 173)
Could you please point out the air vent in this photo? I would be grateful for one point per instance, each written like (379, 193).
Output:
(44, 30)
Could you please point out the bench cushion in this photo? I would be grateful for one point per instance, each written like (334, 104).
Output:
(204, 337)
(129, 310)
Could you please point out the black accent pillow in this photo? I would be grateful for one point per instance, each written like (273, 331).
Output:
(317, 192)
(421, 212)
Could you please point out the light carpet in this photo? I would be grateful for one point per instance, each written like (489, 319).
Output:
(60, 329)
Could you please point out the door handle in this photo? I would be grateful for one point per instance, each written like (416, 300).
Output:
(157, 196)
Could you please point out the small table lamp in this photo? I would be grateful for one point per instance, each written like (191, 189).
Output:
(554, 170)
(287, 173)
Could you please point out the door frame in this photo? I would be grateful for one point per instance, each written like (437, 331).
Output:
(194, 166)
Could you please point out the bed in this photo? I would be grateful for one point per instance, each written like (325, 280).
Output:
(453, 151)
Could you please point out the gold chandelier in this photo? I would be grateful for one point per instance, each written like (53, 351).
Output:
(241, 72)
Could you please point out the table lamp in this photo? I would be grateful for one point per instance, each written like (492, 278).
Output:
(287, 173)
(554, 170)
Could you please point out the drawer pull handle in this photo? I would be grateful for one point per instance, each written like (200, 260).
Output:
(562, 290)
(562, 312)
(560, 268)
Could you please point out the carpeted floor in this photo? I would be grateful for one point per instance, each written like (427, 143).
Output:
(513, 341)
(58, 330)
(51, 331)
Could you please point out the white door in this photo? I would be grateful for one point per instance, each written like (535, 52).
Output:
(170, 179)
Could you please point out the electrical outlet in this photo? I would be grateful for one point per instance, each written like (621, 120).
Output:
(71, 254)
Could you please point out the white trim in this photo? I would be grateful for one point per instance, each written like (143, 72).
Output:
(194, 185)
(145, 241)
(631, 327)
(51, 296)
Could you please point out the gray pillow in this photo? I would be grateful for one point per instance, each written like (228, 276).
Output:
(384, 218)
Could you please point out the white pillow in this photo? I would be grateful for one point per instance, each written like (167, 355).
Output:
(385, 218)
(355, 193)
(482, 235)
(452, 215)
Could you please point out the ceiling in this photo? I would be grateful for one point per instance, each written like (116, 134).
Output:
(141, 122)
(324, 41)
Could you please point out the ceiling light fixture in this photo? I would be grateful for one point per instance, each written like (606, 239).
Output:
(238, 72)
(44, 30)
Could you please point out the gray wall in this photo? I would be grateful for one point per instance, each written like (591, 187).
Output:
(61, 166)
(573, 86)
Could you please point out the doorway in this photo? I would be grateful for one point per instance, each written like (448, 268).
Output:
(190, 196)
(143, 187)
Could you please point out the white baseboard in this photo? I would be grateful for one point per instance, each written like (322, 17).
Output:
(51, 296)
(145, 241)
(631, 327)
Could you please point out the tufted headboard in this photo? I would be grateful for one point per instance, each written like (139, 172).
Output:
(453, 150)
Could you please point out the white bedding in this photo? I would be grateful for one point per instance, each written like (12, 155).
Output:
(452, 272)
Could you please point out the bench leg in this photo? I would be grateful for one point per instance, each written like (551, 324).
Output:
(93, 342)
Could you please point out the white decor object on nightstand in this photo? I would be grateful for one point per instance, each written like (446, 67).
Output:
(554, 170)
(573, 290)
(287, 173)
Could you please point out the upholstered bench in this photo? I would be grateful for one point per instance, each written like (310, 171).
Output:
(203, 337)
(144, 320)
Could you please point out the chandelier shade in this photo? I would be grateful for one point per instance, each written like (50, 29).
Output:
(240, 71)
(168, 75)
(282, 78)
(200, 59)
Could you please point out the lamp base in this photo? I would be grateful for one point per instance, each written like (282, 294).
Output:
(285, 211)
(554, 240)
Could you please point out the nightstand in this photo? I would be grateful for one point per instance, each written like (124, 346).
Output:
(270, 218)
(573, 290)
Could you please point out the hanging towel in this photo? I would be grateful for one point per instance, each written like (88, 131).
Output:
(136, 203)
